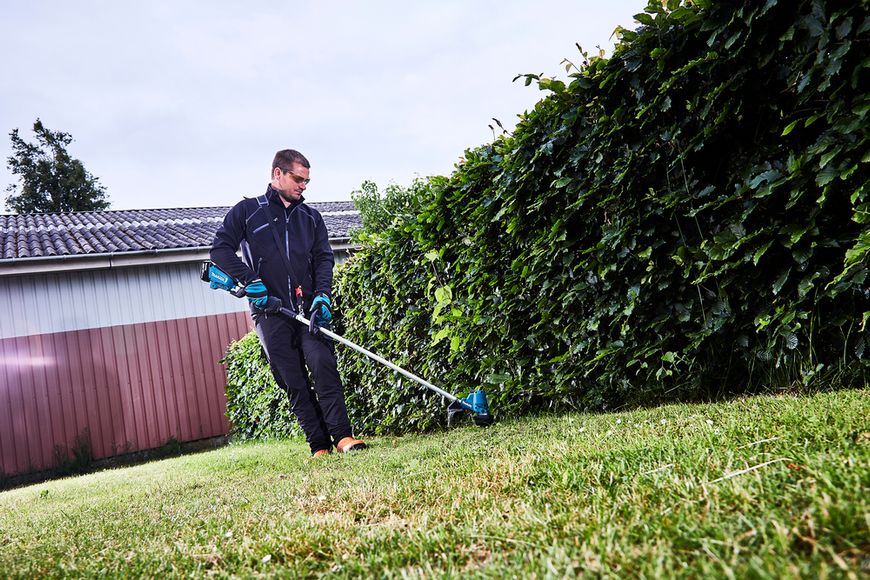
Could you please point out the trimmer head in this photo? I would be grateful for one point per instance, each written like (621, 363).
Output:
(477, 404)
(483, 420)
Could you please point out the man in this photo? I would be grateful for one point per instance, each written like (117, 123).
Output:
(286, 254)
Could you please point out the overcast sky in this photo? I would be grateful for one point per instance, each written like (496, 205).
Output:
(183, 104)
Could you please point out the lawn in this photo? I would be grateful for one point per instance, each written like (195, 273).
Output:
(759, 487)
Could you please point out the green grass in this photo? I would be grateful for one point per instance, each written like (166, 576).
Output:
(650, 493)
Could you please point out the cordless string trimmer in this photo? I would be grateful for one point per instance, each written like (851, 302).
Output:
(475, 402)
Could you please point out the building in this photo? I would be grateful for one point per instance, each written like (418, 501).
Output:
(109, 340)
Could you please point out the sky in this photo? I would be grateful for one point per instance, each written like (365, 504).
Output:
(184, 104)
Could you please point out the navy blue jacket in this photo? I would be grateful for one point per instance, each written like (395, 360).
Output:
(302, 235)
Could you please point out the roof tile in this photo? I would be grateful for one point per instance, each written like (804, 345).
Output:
(82, 233)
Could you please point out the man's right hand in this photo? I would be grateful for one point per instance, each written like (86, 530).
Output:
(257, 293)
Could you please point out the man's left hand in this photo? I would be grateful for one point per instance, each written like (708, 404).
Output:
(321, 312)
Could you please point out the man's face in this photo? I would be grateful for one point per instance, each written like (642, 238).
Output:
(290, 184)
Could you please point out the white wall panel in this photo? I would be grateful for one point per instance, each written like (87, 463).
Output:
(59, 302)
(5, 309)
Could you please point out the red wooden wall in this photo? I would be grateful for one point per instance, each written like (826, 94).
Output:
(129, 387)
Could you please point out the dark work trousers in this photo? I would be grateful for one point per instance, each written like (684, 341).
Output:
(290, 348)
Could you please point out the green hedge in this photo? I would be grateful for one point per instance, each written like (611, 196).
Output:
(256, 407)
(684, 219)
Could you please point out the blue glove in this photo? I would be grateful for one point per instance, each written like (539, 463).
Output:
(320, 314)
(257, 293)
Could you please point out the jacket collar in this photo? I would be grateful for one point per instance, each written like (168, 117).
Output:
(274, 197)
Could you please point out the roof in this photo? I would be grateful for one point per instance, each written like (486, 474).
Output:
(84, 234)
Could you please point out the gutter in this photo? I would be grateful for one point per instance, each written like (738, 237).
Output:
(99, 261)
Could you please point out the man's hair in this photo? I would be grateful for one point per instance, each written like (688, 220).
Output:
(285, 159)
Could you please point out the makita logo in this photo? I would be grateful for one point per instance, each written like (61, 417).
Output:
(219, 276)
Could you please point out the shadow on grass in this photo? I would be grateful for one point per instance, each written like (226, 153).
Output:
(79, 459)
(829, 380)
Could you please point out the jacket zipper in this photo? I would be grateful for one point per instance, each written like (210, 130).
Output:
(287, 249)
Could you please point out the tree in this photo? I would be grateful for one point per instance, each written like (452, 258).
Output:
(50, 180)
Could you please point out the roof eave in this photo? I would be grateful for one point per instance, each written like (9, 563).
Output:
(108, 260)
(101, 261)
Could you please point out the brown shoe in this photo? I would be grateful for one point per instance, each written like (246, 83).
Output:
(350, 444)
(320, 453)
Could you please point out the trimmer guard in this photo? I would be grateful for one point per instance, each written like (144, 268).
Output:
(476, 403)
